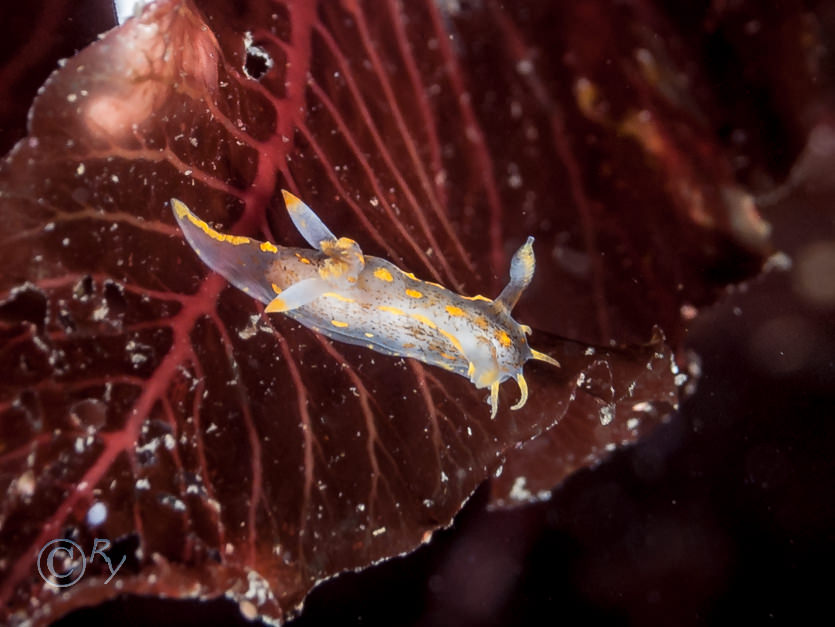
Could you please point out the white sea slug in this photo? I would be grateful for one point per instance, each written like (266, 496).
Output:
(350, 297)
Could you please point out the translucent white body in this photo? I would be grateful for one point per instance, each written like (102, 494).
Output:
(368, 301)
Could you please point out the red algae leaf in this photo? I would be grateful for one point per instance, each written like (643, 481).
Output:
(224, 452)
(617, 396)
(35, 35)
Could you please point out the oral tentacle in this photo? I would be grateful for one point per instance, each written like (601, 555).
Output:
(523, 391)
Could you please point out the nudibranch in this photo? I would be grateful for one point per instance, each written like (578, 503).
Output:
(350, 297)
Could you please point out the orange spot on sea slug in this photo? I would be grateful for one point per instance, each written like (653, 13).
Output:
(383, 275)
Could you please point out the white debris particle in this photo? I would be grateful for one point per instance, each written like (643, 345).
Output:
(524, 67)
(137, 357)
(151, 446)
(212, 427)
(590, 351)
(444, 478)
(25, 484)
(169, 441)
(378, 531)
(642, 406)
(428, 502)
(97, 514)
(607, 415)
(42, 346)
(173, 502)
(632, 424)
(250, 329)
(56, 358)
(80, 169)
(72, 97)
(100, 313)
(680, 379)
(143, 484)
(688, 311)
(514, 179)
(778, 261)
(519, 492)
(361, 507)
(65, 241)
(611, 446)
(114, 178)
(258, 589)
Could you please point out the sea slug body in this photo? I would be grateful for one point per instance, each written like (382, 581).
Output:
(350, 297)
